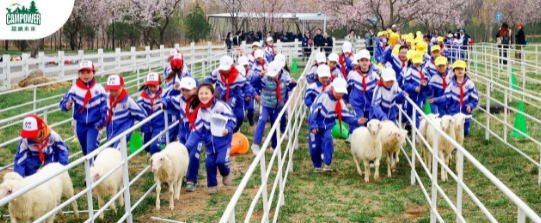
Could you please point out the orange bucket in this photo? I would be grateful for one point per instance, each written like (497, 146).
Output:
(239, 144)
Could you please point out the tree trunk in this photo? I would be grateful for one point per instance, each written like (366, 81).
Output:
(73, 44)
(6, 45)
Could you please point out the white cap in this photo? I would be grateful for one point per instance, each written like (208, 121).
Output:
(394, 25)
(217, 124)
(114, 82)
(355, 62)
(225, 63)
(281, 58)
(153, 79)
(178, 55)
(243, 61)
(259, 54)
(321, 58)
(340, 85)
(31, 126)
(274, 68)
(323, 71)
(172, 52)
(256, 43)
(364, 54)
(346, 47)
(388, 74)
(333, 57)
(188, 83)
(86, 65)
(269, 39)
(241, 69)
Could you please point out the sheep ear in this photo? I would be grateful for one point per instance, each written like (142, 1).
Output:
(151, 161)
(390, 133)
(380, 126)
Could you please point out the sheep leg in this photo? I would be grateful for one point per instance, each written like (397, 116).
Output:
(179, 187)
(356, 160)
(101, 203)
(68, 193)
(443, 173)
(172, 192)
(376, 172)
(13, 220)
(388, 165)
(121, 199)
(366, 171)
(50, 219)
(158, 190)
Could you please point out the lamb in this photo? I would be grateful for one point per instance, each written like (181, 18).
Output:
(444, 147)
(37, 202)
(366, 146)
(460, 119)
(427, 156)
(392, 138)
(106, 160)
(170, 166)
(12, 176)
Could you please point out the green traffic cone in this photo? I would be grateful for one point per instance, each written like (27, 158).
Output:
(520, 122)
(294, 67)
(427, 108)
(513, 80)
(373, 60)
(136, 142)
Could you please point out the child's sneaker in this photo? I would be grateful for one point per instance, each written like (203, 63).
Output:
(317, 169)
(190, 186)
(371, 164)
(227, 180)
(213, 190)
(255, 149)
(327, 168)
(322, 156)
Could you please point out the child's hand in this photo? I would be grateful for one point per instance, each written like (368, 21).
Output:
(406, 95)
(262, 73)
(424, 83)
(468, 108)
(99, 128)
(362, 120)
(177, 86)
(225, 132)
(160, 105)
(293, 81)
(315, 131)
(248, 98)
(257, 98)
(431, 101)
(68, 105)
(417, 89)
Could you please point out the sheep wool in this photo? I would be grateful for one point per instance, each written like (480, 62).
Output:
(444, 146)
(427, 156)
(392, 138)
(170, 166)
(366, 146)
(105, 162)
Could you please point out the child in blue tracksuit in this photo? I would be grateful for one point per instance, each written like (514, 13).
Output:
(361, 84)
(430, 66)
(167, 68)
(122, 110)
(461, 95)
(249, 106)
(258, 69)
(438, 83)
(269, 50)
(251, 57)
(150, 96)
(327, 107)
(386, 97)
(271, 98)
(416, 85)
(205, 108)
(321, 84)
(177, 71)
(292, 84)
(387, 53)
(232, 87)
(400, 64)
(321, 59)
(89, 101)
(39, 145)
(380, 47)
(336, 70)
(345, 59)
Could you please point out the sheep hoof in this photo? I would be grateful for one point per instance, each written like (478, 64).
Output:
(101, 216)
(366, 180)
(376, 176)
(171, 207)
(389, 174)
(157, 207)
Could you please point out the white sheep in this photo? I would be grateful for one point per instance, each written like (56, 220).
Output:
(427, 156)
(392, 138)
(37, 202)
(366, 146)
(106, 160)
(170, 166)
(460, 119)
(446, 124)
(12, 176)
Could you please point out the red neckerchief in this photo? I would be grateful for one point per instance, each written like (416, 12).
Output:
(272, 48)
(193, 115)
(444, 83)
(442, 46)
(383, 45)
(342, 61)
(146, 96)
(231, 77)
(278, 90)
(262, 64)
(338, 110)
(187, 108)
(324, 86)
(253, 55)
(403, 62)
(380, 82)
(112, 104)
(41, 144)
(460, 86)
(88, 94)
(364, 78)
(420, 73)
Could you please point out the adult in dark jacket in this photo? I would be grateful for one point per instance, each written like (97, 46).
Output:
(329, 43)
(319, 40)
(306, 45)
(520, 40)
(370, 38)
(228, 42)
(504, 33)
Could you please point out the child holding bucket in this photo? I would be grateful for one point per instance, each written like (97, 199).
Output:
(150, 94)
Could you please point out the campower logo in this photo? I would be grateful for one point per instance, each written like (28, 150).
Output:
(19, 17)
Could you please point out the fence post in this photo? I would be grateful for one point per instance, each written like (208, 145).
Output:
(42, 61)
(232, 217)
(264, 186)
(192, 57)
(100, 60)
(126, 179)
(45, 115)
(35, 97)
(413, 149)
(166, 126)
(459, 190)
(147, 50)
(61, 64)
(487, 133)
(80, 54)
(280, 163)
(521, 217)
(89, 192)
(434, 203)
(133, 57)
(509, 70)
(117, 60)
(7, 69)
(505, 96)
(24, 59)
(162, 49)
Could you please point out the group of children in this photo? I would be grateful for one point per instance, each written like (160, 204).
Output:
(419, 71)
(194, 112)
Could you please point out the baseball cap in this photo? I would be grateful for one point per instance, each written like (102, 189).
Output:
(394, 25)
(86, 65)
(439, 39)
(225, 63)
(31, 126)
(114, 82)
(269, 39)
(243, 61)
(421, 47)
(519, 24)
(259, 54)
(462, 30)
(440, 61)
(323, 71)
(364, 54)
(417, 58)
(256, 43)
(172, 53)
(280, 58)
(340, 85)
(333, 57)
(460, 64)
(217, 124)
(434, 48)
(274, 68)
(241, 70)
(346, 47)
(153, 79)
(187, 83)
(321, 58)
(388, 74)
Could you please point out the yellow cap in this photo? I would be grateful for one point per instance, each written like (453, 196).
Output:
(460, 64)
(417, 58)
(393, 38)
(383, 33)
(421, 46)
(379, 33)
(411, 35)
(434, 48)
(439, 39)
(440, 61)
(396, 50)
(419, 33)
(409, 39)
(410, 54)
